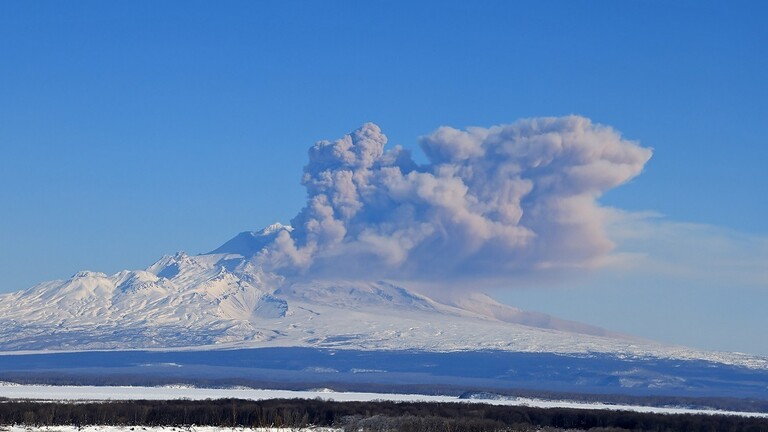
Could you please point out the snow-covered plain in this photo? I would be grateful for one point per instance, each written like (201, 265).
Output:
(100, 428)
(108, 393)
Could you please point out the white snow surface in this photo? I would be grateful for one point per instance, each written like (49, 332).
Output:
(224, 300)
(106, 393)
(105, 428)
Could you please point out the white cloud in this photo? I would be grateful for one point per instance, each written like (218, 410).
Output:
(698, 253)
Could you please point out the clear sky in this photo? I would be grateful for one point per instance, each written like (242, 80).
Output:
(132, 129)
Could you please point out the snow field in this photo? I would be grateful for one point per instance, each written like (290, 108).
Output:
(24, 428)
(107, 393)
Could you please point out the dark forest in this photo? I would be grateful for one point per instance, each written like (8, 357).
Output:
(356, 416)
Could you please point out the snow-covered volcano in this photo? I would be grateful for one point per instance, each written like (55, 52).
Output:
(223, 300)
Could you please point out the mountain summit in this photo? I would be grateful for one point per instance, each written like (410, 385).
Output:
(223, 300)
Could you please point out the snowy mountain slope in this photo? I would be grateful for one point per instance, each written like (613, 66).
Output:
(222, 299)
(249, 243)
(488, 307)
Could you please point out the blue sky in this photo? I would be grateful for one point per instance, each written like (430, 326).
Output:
(134, 129)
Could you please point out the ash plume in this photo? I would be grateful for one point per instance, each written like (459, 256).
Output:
(490, 202)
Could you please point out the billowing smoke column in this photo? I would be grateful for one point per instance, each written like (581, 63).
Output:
(490, 202)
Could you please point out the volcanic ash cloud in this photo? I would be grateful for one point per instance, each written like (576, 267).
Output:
(491, 202)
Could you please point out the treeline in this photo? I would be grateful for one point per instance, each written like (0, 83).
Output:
(355, 416)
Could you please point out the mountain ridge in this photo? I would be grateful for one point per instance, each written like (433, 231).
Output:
(222, 299)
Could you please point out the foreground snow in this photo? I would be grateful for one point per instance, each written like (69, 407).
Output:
(94, 393)
(24, 428)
